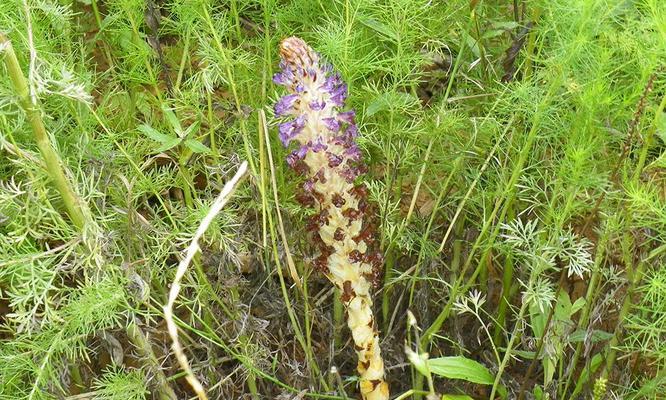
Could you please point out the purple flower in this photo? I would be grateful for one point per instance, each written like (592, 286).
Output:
(288, 130)
(285, 104)
(333, 160)
(353, 152)
(329, 159)
(317, 105)
(347, 116)
(318, 145)
(351, 132)
(285, 77)
(349, 173)
(339, 95)
(331, 82)
(331, 123)
(297, 155)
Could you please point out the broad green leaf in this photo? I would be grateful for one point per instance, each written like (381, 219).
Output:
(595, 336)
(549, 365)
(196, 146)
(190, 129)
(563, 308)
(528, 355)
(538, 319)
(538, 392)
(461, 368)
(173, 121)
(577, 305)
(155, 135)
(169, 145)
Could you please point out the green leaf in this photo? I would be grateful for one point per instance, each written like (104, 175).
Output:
(169, 145)
(538, 392)
(587, 372)
(595, 336)
(190, 129)
(173, 121)
(155, 135)
(379, 27)
(461, 368)
(456, 397)
(577, 305)
(538, 319)
(391, 101)
(419, 361)
(196, 146)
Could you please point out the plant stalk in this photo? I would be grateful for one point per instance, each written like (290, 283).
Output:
(54, 164)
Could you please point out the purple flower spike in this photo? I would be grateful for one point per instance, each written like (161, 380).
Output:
(285, 104)
(331, 161)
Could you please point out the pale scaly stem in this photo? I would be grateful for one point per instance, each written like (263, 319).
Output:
(330, 160)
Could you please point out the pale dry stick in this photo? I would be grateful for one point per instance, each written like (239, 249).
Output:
(191, 251)
(290, 261)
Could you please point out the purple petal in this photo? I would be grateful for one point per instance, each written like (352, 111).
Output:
(354, 153)
(347, 116)
(317, 105)
(285, 104)
(331, 82)
(283, 78)
(333, 160)
(318, 145)
(297, 155)
(331, 123)
(349, 173)
(308, 185)
(351, 132)
(288, 130)
(339, 95)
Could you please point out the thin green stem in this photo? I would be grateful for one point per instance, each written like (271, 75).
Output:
(55, 167)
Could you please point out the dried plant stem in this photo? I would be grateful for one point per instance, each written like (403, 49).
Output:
(192, 250)
(54, 165)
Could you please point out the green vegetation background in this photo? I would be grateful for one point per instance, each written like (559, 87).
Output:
(517, 161)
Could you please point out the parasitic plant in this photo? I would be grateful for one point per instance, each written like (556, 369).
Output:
(329, 158)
